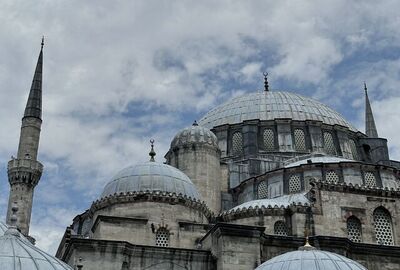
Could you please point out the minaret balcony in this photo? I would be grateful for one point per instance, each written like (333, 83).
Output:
(24, 170)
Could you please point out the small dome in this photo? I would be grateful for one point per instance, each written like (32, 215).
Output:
(151, 176)
(272, 105)
(310, 259)
(282, 201)
(18, 254)
(195, 134)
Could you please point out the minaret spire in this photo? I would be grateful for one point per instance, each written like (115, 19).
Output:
(370, 127)
(34, 104)
(24, 172)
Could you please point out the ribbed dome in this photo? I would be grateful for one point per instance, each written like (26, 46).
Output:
(310, 259)
(194, 134)
(3, 228)
(151, 176)
(17, 254)
(269, 106)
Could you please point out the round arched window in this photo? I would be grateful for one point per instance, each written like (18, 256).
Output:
(237, 143)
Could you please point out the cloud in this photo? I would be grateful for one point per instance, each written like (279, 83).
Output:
(119, 73)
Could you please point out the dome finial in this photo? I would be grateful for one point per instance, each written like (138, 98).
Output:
(266, 86)
(152, 153)
(13, 229)
(195, 123)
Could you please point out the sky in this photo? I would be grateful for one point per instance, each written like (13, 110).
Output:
(119, 73)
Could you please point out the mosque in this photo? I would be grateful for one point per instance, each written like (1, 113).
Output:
(270, 180)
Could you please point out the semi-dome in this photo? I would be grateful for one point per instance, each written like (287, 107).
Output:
(151, 176)
(270, 105)
(194, 134)
(18, 254)
(309, 258)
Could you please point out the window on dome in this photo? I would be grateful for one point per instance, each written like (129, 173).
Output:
(354, 229)
(237, 143)
(383, 227)
(280, 228)
(299, 140)
(269, 139)
(294, 184)
(369, 179)
(162, 237)
(262, 190)
(329, 145)
(353, 148)
(332, 177)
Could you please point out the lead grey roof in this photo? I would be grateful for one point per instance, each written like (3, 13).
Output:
(151, 176)
(310, 260)
(194, 134)
(17, 254)
(282, 201)
(321, 159)
(269, 106)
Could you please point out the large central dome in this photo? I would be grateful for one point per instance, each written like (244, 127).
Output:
(269, 106)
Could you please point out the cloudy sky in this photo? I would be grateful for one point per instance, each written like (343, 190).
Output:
(117, 73)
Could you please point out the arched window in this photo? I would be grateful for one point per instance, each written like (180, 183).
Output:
(162, 237)
(294, 183)
(269, 139)
(299, 140)
(280, 228)
(237, 143)
(369, 179)
(262, 190)
(354, 229)
(332, 177)
(329, 145)
(383, 227)
(353, 149)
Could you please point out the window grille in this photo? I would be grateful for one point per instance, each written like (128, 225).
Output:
(162, 237)
(269, 139)
(354, 229)
(329, 145)
(332, 177)
(299, 140)
(237, 143)
(262, 190)
(383, 227)
(294, 184)
(369, 179)
(280, 228)
(353, 148)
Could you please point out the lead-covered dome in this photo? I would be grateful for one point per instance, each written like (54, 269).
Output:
(18, 254)
(3, 228)
(151, 177)
(270, 105)
(309, 258)
(194, 134)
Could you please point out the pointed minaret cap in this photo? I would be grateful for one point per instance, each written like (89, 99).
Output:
(370, 127)
(152, 153)
(34, 105)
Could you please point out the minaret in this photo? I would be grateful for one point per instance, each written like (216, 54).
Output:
(24, 172)
(370, 128)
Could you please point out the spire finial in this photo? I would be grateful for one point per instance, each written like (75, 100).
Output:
(266, 86)
(42, 44)
(195, 123)
(365, 87)
(152, 153)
